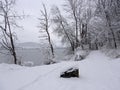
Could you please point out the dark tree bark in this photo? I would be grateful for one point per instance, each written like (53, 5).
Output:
(112, 32)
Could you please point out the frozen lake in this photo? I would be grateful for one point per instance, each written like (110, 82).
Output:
(36, 55)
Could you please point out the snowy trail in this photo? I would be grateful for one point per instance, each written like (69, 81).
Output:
(50, 74)
(38, 78)
(97, 72)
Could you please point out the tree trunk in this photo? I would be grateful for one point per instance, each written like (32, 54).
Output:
(112, 32)
(12, 43)
(71, 43)
(51, 46)
(76, 29)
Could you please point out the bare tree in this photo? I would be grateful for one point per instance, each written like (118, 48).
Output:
(7, 24)
(87, 14)
(73, 7)
(62, 27)
(44, 25)
(109, 10)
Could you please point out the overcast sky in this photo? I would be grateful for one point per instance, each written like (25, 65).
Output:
(32, 8)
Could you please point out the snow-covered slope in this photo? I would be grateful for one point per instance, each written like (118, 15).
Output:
(97, 72)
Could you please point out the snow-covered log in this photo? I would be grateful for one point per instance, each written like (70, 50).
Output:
(72, 72)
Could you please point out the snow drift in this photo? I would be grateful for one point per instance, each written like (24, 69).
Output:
(97, 72)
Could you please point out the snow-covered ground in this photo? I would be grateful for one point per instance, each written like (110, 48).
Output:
(97, 72)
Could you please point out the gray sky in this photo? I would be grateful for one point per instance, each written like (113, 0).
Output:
(32, 8)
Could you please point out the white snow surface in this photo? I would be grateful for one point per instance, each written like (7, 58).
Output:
(97, 72)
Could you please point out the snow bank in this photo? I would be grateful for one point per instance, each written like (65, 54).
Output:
(97, 72)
